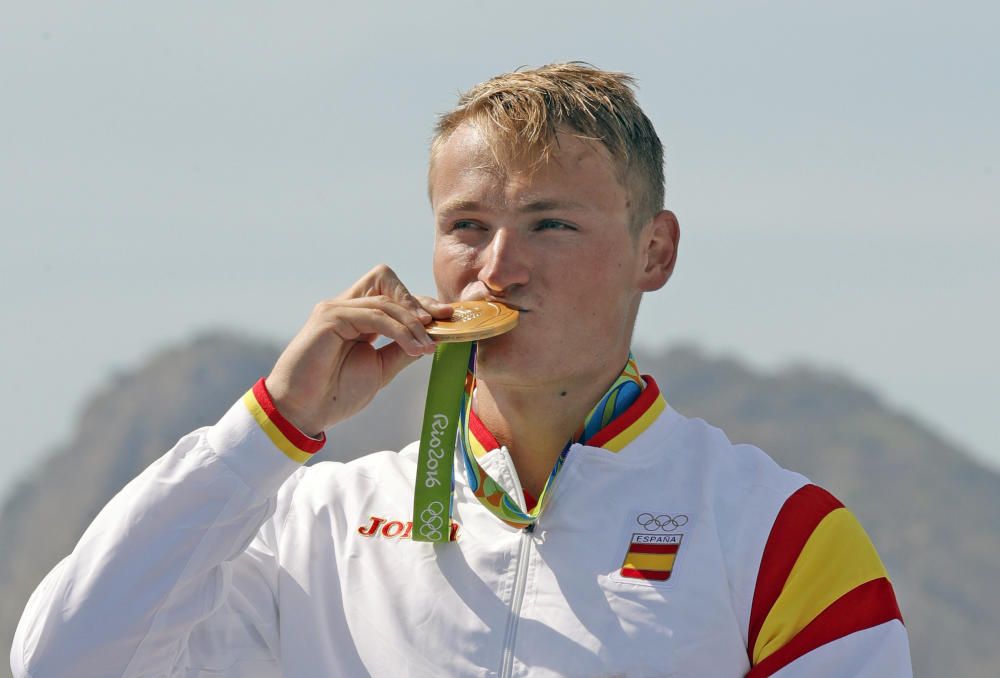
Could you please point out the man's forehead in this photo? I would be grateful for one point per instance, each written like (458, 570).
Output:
(468, 159)
(501, 151)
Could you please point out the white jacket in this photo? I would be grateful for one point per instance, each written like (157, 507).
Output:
(669, 557)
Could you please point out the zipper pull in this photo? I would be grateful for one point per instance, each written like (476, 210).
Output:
(530, 529)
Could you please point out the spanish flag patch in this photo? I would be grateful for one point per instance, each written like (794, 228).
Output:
(651, 557)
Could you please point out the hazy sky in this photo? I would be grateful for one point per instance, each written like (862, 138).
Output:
(171, 167)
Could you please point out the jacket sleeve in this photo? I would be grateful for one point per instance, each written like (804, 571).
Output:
(177, 572)
(823, 604)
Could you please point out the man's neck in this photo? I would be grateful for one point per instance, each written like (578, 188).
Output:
(535, 422)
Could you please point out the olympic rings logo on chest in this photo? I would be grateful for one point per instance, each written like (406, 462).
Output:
(662, 521)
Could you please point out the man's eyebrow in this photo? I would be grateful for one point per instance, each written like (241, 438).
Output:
(534, 206)
(549, 205)
(460, 206)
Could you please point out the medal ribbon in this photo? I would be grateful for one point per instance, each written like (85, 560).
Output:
(436, 457)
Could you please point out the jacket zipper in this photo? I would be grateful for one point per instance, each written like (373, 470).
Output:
(510, 636)
(523, 552)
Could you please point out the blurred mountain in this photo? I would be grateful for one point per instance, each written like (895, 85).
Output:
(931, 511)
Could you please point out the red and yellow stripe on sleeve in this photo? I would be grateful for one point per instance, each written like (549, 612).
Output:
(296, 445)
(820, 579)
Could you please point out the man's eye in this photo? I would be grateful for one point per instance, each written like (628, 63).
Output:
(464, 225)
(552, 224)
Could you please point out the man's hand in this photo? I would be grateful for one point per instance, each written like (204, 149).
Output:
(331, 370)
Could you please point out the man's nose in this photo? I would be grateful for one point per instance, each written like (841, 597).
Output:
(504, 265)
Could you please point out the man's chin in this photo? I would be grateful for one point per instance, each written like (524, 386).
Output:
(505, 357)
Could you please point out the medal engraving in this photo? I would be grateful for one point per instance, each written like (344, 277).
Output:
(474, 320)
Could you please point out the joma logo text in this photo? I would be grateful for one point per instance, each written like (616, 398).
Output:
(396, 529)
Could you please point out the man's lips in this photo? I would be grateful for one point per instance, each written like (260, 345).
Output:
(505, 302)
(519, 309)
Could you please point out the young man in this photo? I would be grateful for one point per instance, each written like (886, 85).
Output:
(596, 531)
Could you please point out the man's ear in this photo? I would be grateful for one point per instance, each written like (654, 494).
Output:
(658, 250)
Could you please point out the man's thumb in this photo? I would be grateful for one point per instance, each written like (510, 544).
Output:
(393, 359)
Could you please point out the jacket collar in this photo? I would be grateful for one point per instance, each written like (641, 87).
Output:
(621, 431)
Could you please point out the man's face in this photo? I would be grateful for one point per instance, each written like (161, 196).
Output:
(553, 243)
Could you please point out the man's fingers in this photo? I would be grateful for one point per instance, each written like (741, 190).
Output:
(356, 323)
(402, 314)
(437, 309)
(383, 281)
(379, 280)
(402, 295)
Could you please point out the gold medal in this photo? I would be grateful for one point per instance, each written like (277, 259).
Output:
(474, 320)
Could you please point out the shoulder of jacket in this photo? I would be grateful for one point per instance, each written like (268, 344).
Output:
(703, 450)
(740, 490)
(777, 533)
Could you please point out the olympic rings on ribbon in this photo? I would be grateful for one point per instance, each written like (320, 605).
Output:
(432, 521)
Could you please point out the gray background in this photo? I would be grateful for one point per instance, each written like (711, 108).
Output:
(171, 167)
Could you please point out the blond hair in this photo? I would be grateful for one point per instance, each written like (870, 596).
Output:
(520, 113)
